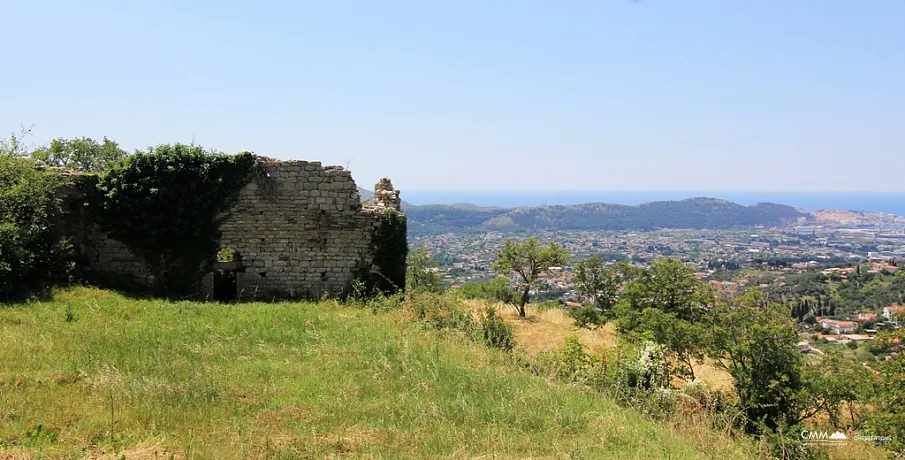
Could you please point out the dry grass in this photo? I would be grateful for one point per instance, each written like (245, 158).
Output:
(546, 330)
(715, 377)
(14, 454)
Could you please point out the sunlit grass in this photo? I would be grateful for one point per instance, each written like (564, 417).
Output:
(93, 372)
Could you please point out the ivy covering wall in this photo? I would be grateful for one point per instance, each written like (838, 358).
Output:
(167, 205)
(389, 248)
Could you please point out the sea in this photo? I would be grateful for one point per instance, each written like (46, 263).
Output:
(885, 202)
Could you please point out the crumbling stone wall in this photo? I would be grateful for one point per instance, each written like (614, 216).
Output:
(298, 228)
(385, 196)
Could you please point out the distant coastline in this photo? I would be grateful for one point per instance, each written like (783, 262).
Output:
(885, 202)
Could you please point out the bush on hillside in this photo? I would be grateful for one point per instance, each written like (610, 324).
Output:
(572, 361)
(587, 316)
(495, 332)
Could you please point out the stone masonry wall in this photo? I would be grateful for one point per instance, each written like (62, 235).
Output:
(298, 228)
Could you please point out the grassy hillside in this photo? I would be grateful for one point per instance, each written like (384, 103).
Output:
(544, 331)
(92, 373)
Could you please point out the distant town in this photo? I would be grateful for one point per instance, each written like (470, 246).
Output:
(825, 250)
(836, 237)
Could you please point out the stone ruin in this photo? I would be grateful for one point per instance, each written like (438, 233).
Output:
(385, 196)
(297, 229)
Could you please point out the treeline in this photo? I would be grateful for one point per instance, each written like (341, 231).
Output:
(669, 322)
(691, 213)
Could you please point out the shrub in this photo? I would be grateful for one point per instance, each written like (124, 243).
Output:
(587, 316)
(785, 443)
(649, 369)
(382, 303)
(441, 311)
(572, 360)
(33, 255)
(495, 332)
(548, 305)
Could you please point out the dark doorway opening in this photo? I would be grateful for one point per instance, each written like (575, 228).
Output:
(226, 269)
(225, 288)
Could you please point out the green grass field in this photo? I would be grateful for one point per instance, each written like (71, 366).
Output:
(95, 374)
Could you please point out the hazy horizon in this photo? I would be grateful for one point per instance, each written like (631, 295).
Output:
(885, 202)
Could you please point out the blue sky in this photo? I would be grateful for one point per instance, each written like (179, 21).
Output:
(571, 94)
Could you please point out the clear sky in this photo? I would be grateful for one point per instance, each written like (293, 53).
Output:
(489, 94)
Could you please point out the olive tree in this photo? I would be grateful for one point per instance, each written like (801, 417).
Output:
(528, 261)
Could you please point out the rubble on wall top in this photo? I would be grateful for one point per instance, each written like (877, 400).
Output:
(385, 196)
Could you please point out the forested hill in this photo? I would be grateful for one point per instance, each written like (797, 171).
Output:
(690, 213)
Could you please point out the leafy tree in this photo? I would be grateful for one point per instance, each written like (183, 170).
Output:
(776, 387)
(839, 386)
(528, 261)
(889, 399)
(16, 145)
(670, 286)
(599, 283)
(758, 349)
(685, 340)
(587, 316)
(84, 154)
(422, 274)
(666, 303)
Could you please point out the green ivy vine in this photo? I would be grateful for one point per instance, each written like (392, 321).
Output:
(389, 249)
(167, 205)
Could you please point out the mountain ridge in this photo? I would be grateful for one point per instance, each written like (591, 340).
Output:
(698, 212)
